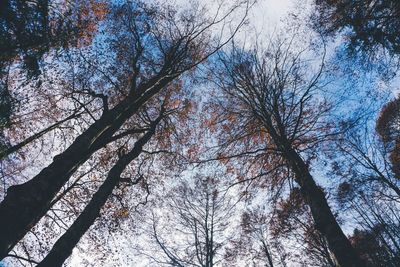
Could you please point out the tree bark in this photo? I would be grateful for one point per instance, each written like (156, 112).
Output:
(325, 222)
(25, 204)
(62, 249)
(267, 253)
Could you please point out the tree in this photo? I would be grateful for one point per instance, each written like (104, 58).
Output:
(270, 103)
(368, 163)
(377, 238)
(30, 29)
(6, 151)
(6, 108)
(388, 129)
(196, 228)
(293, 221)
(155, 46)
(62, 249)
(369, 191)
(371, 249)
(256, 243)
(368, 25)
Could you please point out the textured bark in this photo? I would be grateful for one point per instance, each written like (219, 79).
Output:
(25, 204)
(62, 249)
(325, 222)
(274, 90)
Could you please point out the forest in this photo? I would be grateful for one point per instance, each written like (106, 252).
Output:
(188, 133)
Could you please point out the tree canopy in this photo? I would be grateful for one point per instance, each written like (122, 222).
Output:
(147, 133)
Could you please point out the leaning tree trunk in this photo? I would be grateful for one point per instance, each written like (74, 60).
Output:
(25, 204)
(344, 254)
(62, 249)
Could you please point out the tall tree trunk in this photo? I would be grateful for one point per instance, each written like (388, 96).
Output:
(325, 222)
(62, 249)
(267, 253)
(25, 204)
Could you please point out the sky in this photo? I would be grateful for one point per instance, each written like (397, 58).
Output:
(266, 17)
(269, 13)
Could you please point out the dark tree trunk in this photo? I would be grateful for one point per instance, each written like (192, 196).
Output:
(267, 253)
(62, 249)
(325, 222)
(25, 204)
